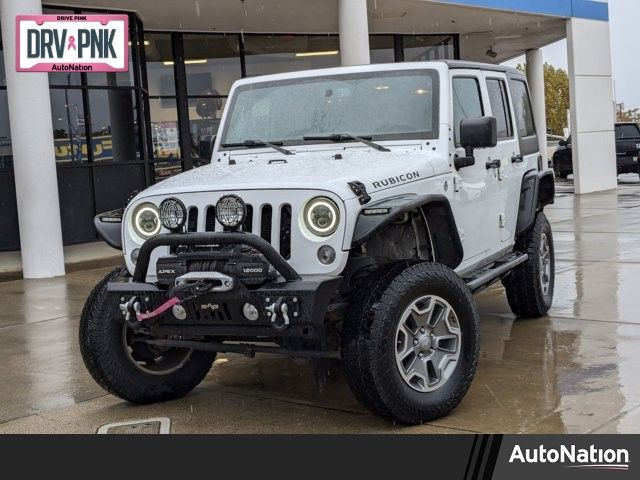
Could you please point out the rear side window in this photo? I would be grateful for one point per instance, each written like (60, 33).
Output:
(499, 101)
(522, 107)
(627, 131)
(467, 102)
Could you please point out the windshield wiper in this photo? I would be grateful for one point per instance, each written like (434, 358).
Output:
(345, 137)
(260, 143)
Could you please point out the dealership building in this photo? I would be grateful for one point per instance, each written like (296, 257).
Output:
(75, 144)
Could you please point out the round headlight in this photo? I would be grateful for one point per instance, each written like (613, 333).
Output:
(231, 211)
(321, 216)
(173, 214)
(146, 220)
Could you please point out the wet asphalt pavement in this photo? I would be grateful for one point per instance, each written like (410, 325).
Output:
(574, 371)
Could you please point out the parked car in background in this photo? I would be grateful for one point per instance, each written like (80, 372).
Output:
(627, 150)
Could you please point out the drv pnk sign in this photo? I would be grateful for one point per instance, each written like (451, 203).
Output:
(76, 43)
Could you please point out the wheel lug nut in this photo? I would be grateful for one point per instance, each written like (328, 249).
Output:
(415, 341)
(422, 330)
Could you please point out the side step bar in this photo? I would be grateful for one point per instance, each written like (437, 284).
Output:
(484, 277)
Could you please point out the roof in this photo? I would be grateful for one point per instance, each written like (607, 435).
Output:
(489, 67)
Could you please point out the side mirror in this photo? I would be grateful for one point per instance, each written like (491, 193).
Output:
(481, 132)
(205, 147)
(562, 143)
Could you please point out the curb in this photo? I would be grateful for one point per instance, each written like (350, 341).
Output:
(70, 267)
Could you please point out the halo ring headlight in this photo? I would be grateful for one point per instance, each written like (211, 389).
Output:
(231, 211)
(146, 220)
(173, 214)
(321, 216)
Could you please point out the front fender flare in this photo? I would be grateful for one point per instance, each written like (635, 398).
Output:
(446, 244)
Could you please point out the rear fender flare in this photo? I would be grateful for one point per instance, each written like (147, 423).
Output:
(537, 191)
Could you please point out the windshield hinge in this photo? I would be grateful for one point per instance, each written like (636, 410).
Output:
(361, 191)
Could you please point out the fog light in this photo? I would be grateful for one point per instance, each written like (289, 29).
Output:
(326, 255)
(134, 255)
(250, 312)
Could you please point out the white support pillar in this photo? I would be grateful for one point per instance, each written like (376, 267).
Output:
(592, 108)
(34, 163)
(353, 26)
(535, 77)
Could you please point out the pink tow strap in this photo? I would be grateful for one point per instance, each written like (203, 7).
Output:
(158, 311)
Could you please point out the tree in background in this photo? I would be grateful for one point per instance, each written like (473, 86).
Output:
(556, 88)
(624, 115)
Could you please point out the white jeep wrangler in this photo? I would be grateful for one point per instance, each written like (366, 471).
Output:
(348, 214)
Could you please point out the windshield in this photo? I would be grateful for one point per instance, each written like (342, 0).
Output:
(376, 105)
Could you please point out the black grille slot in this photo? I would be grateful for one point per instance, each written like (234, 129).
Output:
(210, 220)
(265, 223)
(192, 221)
(247, 225)
(285, 231)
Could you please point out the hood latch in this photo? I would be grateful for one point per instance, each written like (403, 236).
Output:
(361, 191)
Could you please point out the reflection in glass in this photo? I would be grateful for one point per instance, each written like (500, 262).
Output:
(287, 53)
(112, 79)
(6, 155)
(157, 48)
(165, 137)
(204, 120)
(67, 111)
(114, 128)
(381, 48)
(212, 63)
(421, 48)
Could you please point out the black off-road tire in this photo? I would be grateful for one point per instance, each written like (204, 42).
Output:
(103, 352)
(368, 347)
(523, 285)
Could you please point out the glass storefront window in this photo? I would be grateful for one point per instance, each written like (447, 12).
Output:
(381, 49)
(113, 79)
(212, 63)
(266, 54)
(204, 120)
(421, 48)
(165, 137)
(6, 155)
(114, 127)
(69, 134)
(160, 78)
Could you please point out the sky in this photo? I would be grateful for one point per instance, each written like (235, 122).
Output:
(625, 51)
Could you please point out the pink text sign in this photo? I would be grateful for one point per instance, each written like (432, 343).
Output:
(77, 43)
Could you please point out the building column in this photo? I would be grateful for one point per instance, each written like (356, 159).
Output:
(34, 164)
(353, 26)
(535, 77)
(592, 107)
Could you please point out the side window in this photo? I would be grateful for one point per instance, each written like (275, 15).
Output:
(522, 107)
(467, 102)
(499, 101)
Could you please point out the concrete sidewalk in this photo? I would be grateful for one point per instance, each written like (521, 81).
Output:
(85, 256)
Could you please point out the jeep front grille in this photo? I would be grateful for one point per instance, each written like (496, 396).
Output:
(275, 228)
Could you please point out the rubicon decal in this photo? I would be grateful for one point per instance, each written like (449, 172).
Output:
(572, 457)
(405, 177)
(85, 43)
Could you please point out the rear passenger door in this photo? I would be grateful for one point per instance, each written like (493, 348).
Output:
(506, 159)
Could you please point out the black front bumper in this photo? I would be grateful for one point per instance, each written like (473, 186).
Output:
(222, 314)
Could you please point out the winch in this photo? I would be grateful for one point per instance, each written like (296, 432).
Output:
(243, 264)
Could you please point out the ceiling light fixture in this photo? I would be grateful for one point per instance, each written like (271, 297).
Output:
(317, 54)
(188, 62)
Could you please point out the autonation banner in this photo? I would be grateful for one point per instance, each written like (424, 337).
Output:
(82, 43)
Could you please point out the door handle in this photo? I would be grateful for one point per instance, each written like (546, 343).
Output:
(517, 159)
(494, 164)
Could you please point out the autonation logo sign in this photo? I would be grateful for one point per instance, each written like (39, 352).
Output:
(84, 43)
(573, 457)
